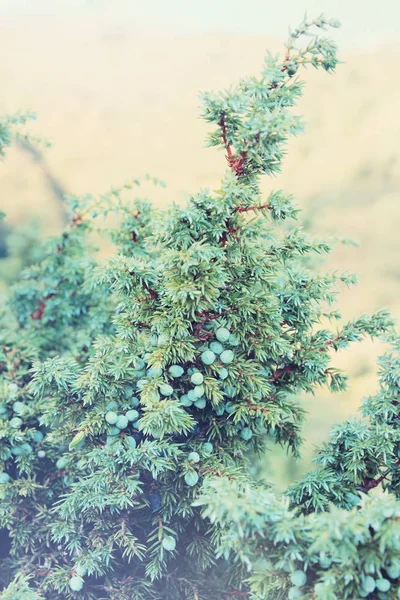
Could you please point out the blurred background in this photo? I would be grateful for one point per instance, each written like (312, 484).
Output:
(115, 84)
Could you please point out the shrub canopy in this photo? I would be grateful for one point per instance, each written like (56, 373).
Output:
(136, 392)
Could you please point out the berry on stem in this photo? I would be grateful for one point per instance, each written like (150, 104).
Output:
(222, 334)
(76, 583)
(191, 478)
(208, 357)
(197, 378)
(176, 371)
(166, 389)
(122, 422)
(111, 417)
(132, 415)
(227, 357)
(169, 543)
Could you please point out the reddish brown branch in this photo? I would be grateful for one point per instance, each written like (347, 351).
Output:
(134, 236)
(242, 209)
(205, 317)
(76, 220)
(289, 368)
(369, 484)
(257, 407)
(38, 314)
(280, 372)
(152, 292)
(224, 139)
(235, 161)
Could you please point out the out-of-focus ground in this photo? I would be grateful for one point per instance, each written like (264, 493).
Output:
(118, 104)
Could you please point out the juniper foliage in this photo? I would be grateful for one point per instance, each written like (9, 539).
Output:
(135, 393)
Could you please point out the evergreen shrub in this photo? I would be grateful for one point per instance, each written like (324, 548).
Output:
(135, 393)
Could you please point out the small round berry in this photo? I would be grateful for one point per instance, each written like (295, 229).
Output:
(112, 406)
(292, 69)
(325, 562)
(76, 584)
(393, 570)
(19, 407)
(122, 422)
(135, 402)
(199, 391)
(114, 431)
(294, 593)
(191, 478)
(234, 340)
(191, 396)
(169, 543)
(197, 378)
(194, 457)
(222, 334)
(227, 357)
(130, 440)
(368, 584)
(223, 373)
(216, 347)
(16, 422)
(176, 371)
(219, 411)
(154, 372)
(200, 403)
(38, 436)
(4, 478)
(207, 448)
(298, 578)
(111, 417)
(41, 454)
(383, 585)
(132, 415)
(166, 389)
(61, 463)
(184, 400)
(208, 357)
(247, 434)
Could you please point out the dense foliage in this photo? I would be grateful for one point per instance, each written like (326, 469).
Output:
(136, 393)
